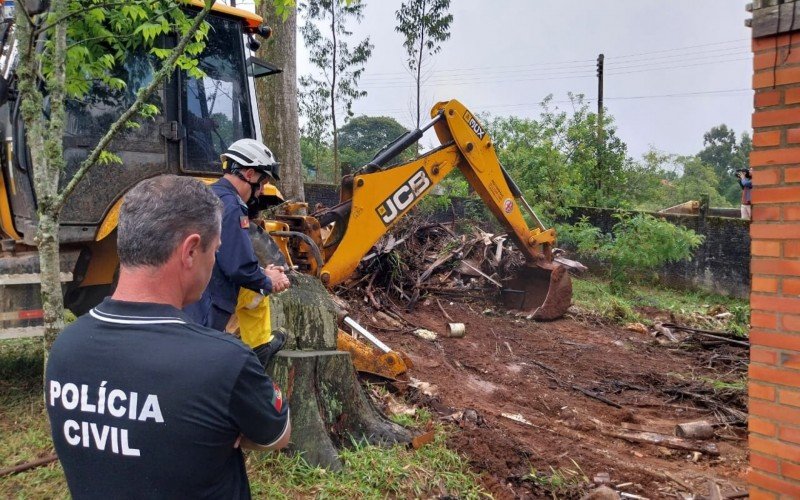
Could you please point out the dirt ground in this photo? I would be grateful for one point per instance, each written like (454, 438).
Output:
(512, 366)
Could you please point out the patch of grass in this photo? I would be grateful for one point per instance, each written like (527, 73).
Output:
(690, 308)
(24, 428)
(560, 482)
(369, 472)
(420, 417)
(739, 385)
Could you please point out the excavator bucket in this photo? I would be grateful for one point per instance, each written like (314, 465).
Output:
(544, 291)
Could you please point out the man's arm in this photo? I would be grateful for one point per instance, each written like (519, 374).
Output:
(236, 257)
(258, 408)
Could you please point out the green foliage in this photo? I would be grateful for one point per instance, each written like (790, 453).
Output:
(100, 36)
(424, 24)
(554, 158)
(636, 244)
(688, 307)
(725, 155)
(560, 482)
(369, 472)
(362, 137)
(339, 66)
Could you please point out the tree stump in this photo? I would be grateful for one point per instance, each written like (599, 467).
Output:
(328, 405)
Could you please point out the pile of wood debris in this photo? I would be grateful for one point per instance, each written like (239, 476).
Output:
(419, 257)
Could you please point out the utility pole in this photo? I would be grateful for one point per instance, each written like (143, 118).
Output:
(599, 179)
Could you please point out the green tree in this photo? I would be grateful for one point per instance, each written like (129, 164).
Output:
(726, 155)
(315, 132)
(339, 67)
(698, 179)
(362, 137)
(84, 42)
(425, 24)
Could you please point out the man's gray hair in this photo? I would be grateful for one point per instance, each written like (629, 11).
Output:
(159, 213)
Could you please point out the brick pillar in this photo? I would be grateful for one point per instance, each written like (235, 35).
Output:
(774, 388)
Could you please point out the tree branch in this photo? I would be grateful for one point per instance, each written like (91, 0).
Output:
(143, 95)
(63, 18)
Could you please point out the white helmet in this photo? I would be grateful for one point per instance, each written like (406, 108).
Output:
(249, 153)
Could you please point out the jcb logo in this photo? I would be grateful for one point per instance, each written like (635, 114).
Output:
(474, 125)
(404, 196)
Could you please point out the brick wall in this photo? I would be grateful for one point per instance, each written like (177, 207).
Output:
(774, 387)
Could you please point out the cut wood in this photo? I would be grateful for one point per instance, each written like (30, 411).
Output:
(664, 440)
(596, 396)
(695, 430)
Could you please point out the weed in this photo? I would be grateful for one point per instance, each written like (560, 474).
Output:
(560, 482)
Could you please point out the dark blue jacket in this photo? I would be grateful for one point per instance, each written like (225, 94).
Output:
(236, 265)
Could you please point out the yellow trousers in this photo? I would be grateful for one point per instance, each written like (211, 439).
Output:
(252, 311)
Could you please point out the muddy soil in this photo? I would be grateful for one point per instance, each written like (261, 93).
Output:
(528, 371)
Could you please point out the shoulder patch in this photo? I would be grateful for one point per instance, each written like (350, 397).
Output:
(277, 397)
(244, 222)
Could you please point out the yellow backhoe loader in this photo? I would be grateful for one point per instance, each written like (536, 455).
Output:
(199, 119)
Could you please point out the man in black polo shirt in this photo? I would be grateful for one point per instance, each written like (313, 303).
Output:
(144, 403)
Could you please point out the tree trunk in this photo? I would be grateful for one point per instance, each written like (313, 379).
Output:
(276, 96)
(50, 268)
(329, 407)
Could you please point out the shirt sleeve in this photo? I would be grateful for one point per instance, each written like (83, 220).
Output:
(746, 183)
(257, 405)
(235, 257)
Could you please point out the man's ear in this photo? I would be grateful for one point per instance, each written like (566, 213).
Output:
(190, 248)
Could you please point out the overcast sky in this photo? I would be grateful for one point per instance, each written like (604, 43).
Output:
(674, 68)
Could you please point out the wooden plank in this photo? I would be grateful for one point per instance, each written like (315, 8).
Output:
(766, 20)
(29, 279)
(22, 333)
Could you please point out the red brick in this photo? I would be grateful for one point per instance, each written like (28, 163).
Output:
(760, 355)
(766, 176)
(770, 98)
(763, 231)
(789, 397)
(774, 448)
(761, 212)
(774, 484)
(791, 286)
(769, 43)
(791, 322)
(792, 174)
(792, 96)
(783, 156)
(769, 285)
(789, 434)
(791, 213)
(763, 320)
(776, 376)
(761, 426)
(765, 248)
(772, 303)
(775, 117)
(789, 470)
(791, 249)
(776, 195)
(760, 391)
(773, 137)
(759, 494)
(790, 360)
(783, 76)
(767, 464)
(779, 340)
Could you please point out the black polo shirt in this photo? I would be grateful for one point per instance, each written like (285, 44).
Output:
(145, 404)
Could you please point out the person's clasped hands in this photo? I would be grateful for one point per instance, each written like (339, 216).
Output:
(276, 274)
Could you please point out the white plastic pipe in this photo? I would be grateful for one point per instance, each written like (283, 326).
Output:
(363, 331)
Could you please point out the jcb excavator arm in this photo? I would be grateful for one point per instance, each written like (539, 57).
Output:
(378, 198)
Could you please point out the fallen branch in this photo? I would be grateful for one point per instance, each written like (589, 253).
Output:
(444, 312)
(596, 396)
(482, 273)
(664, 440)
(28, 465)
